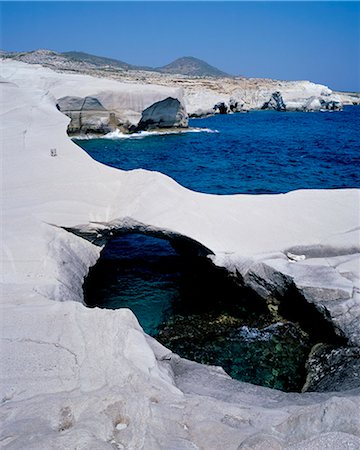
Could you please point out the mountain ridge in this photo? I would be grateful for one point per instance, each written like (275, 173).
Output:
(186, 65)
(191, 66)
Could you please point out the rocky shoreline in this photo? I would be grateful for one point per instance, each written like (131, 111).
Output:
(92, 378)
(89, 115)
(102, 112)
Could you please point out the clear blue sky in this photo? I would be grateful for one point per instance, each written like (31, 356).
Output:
(285, 40)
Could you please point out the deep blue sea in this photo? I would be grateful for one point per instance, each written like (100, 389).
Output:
(256, 152)
(189, 307)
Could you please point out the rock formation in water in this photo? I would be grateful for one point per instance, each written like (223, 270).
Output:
(319, 103)
(99, 106)
(276, 102)
(88, 116)
(167, 113)
(221, 108)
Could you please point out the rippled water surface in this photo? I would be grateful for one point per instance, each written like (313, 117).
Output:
(256, 152)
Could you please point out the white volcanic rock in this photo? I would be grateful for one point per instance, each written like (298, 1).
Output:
(74, 377)
(349, 98)
(199, 95)
(166, 113)
(254, 93)
(122, 103)
(88, 116)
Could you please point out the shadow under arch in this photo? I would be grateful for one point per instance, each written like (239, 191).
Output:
(218, 323)
(99, 233)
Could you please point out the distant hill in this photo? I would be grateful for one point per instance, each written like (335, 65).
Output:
(101, 61)
(98, 61)
(188, 65)
(75, 60)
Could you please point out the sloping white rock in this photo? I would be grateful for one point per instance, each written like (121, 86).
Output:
(125, 100)
(73, 377)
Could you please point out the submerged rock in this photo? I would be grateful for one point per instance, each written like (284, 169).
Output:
(272, 356)
(168, 113)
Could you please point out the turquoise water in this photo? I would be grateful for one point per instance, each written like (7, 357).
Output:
(198, 312)
(187, 304)
(139, 273)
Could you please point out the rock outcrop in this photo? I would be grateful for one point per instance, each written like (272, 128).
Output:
(95, 105)
(228, 106)
(333, 369)
(321, 104)
(349, 98)
(88, 116)
(276, 102)
(221, 108)
(314, 103)
(167, 113)
(241, 95)
(236, 105)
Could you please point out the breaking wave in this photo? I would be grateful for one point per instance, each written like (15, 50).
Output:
(141, 134)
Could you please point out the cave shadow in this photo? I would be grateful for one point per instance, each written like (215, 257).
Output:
(200, 311)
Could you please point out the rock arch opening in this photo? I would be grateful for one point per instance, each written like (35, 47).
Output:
(196, 309)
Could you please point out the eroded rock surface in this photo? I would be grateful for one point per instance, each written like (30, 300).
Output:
(276, 102)
(333, 369)
(167, 113)
(88, 115)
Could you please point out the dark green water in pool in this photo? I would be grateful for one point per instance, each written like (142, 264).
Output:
(198, 312)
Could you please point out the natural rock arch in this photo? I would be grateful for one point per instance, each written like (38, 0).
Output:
(99, 233)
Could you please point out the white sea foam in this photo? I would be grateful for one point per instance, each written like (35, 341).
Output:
(141, 134)
(117, 134)
(84, 137)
